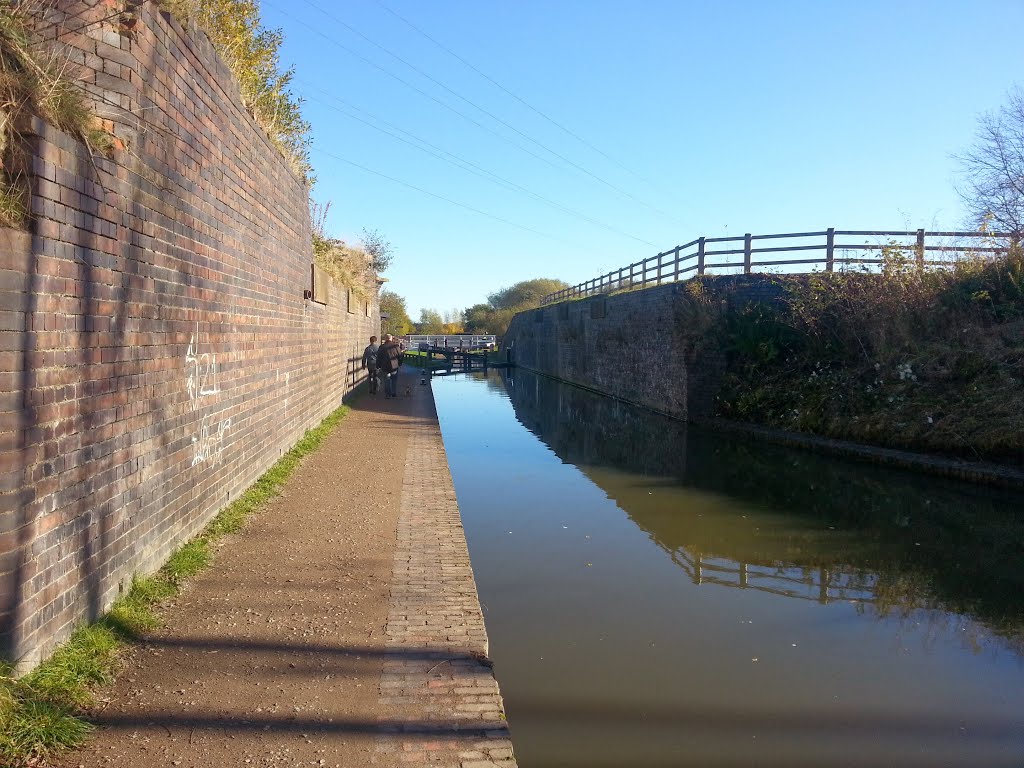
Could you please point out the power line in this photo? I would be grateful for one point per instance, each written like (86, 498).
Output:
(460, 162)
(420, 91)
(448, 199)
(490, 114)
(515, 96)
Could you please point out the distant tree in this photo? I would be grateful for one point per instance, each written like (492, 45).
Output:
(454, 321)
(398, 322)
(430, 322)
(378, 248)
(994, 169)
(495, 316)
(478, 318)
(526, 294)
(502, 318)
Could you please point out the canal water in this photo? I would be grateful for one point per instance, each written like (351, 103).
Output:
(659, 596)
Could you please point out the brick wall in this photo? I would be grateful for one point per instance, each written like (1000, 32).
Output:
(157, 353)
(656, 347)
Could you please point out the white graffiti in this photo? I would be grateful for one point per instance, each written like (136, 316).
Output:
(202, 372)
(209, 444)
(202, 386)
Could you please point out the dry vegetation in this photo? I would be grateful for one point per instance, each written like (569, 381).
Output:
(922, 359)
(36, 78)
(251, 52)
(354, 267)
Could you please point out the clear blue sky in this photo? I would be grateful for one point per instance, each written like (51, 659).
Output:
(708, 118)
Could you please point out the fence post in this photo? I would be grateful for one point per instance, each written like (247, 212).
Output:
(676, 278)
(919, 249)
(661, 260)
(700, 256)
(747, 256)
(830, 249)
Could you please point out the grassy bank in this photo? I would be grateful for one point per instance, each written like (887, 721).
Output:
(40, 713)
(925, 360)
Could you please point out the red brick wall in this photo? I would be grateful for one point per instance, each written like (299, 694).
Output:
(157, 353)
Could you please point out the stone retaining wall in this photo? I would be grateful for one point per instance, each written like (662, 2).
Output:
(647, 347)
(157, 351)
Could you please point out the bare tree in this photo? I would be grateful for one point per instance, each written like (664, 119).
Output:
(994, 169)
(379, 249)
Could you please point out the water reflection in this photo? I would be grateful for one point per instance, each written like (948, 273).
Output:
(813, 528)
(655, 596)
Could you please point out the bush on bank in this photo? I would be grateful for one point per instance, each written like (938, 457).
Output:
(928, 360)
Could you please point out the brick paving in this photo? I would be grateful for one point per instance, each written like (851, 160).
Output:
(342, 628)
(437, 679)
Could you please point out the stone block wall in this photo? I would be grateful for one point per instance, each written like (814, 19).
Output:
(649, 347)
(157, 349)
(621, 345)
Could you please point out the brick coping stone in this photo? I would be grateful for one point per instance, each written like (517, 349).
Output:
(437, 672)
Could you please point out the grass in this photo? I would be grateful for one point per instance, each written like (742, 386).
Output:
(13, 210)
(37, 77)
(40, 714)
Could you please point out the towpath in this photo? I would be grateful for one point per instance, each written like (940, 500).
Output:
(340, 628)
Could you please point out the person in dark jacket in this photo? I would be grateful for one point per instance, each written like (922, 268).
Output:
(370, 363)
(389, 358)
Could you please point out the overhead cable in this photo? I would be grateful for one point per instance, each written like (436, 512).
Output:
(460, 162)
(448, 199)
(515, 96)
(490, 114)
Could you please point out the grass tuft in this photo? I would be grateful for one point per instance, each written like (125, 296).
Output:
(40, 714)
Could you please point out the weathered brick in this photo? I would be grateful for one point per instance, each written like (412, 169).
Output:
(170, 355)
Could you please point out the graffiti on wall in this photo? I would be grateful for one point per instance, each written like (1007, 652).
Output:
(203, 389)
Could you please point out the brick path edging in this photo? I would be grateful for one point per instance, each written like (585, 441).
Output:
(437, 682)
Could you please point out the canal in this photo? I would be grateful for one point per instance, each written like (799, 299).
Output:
(658, 596)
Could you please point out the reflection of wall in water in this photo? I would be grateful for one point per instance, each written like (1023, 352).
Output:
(584, 428)
(852, 530)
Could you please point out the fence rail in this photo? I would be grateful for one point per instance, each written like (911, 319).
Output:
(697, 258)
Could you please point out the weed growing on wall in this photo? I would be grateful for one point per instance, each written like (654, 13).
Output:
(252, 54)
(36, 77)
(922, 359)
(350, 266)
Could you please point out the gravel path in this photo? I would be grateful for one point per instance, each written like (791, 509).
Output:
(274, 655)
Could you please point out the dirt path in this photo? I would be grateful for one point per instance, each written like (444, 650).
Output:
(273, 656)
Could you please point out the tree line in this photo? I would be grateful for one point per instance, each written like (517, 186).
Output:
(493, 316)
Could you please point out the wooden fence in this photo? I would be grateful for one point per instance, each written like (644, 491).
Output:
(821, 584)
(826, 250)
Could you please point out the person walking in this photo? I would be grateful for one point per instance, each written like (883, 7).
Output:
(389, 358)
(370, 364)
